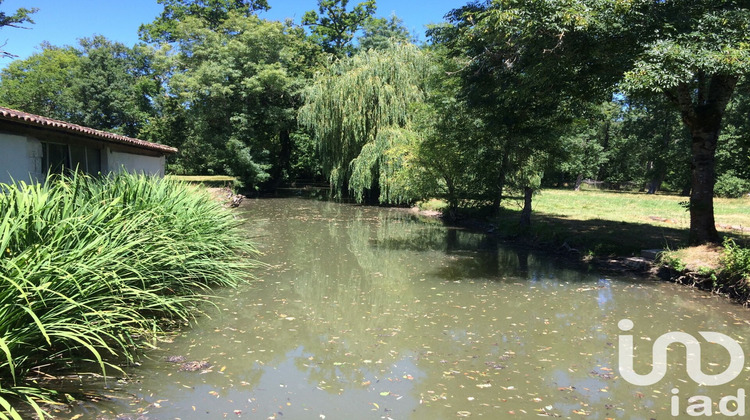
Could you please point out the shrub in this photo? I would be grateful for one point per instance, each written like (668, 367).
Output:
(736, 260)
(89, 268)
(729, 185)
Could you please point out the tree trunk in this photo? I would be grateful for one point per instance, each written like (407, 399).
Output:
(523, 260)
(452, 200)
(703, 117)
(579, 180)
(526, 212)
(702, 223)
(282, 162)
(655, 185)
(495, 209)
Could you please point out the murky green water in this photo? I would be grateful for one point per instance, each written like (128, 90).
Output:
(366, 313)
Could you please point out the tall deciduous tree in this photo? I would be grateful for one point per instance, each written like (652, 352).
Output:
(333, 26)
(114, 86)
(212, 12)
(695, 54)
(692, 52)
(101, 84)
(380, 33)
(232, 96)
(505, 81)
(42, 83)
(359, 110)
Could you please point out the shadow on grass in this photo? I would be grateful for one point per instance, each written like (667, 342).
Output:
(594, 237)
(597, 237)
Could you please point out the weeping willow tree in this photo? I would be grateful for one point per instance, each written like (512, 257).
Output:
(359, 111)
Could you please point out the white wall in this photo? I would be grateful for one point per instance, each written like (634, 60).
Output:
(149, 165)
(20, 158)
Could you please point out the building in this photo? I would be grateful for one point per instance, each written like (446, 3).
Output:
(32, 146)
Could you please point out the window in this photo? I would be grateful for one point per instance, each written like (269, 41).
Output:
(56, 157)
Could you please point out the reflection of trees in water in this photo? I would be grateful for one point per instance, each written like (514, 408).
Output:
(363, 306)
(356, 291)
(469, 255)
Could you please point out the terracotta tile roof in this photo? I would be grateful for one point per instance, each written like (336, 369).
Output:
(12, 115)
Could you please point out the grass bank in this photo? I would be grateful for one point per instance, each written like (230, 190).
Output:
(604, 224)
(93, 269)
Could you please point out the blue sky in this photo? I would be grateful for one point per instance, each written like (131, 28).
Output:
(63, 22)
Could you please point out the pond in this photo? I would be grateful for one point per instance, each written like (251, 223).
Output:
(370, 313)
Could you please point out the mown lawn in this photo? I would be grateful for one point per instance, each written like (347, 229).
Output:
(607, 223)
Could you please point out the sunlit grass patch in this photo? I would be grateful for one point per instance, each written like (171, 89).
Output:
(607, 223)
(432, 205)
(90, 269)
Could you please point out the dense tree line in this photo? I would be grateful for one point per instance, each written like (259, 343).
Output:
(507, 96)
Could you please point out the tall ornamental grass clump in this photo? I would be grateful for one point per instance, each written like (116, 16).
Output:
(92, 268)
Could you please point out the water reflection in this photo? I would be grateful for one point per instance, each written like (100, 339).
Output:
(365, 313)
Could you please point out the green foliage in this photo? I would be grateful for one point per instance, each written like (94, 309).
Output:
(504, 79)
(729, 185)
(212, 12)
(671, 260)
(93, 268)
(333, 27)
(42, 83)
(456, 160)
(694, 53)
(114, 86)
(359, 110)
(733, 150)
(690, 42)
(381, 33)
(232, 96)
(585, 149)
(101, 84)
(736, 260)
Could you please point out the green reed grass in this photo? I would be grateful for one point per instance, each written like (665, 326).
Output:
(90, 268)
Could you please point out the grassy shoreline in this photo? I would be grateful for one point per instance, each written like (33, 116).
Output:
(93, 269)
(607, 227)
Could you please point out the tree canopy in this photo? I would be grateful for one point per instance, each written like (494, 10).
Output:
(333, 26)
(508, 96)
(100, 84)
(694, 53)
(359, 110)
(212, 12)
